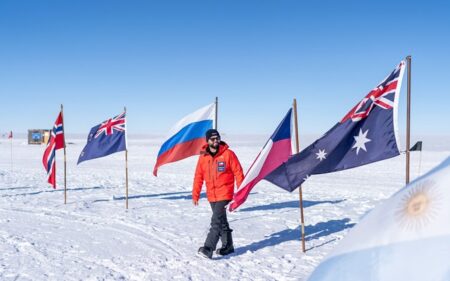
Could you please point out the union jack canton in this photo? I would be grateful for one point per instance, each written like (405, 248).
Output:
(116, 123)
(382, 95)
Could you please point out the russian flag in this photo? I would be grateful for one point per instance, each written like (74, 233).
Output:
(187, 137)
(276, 151)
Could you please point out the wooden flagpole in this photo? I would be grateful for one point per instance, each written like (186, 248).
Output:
(408, 118)
(420, 161)
(65, 157)
(297, 150)
(126, 161)
(216, 112)
(11, 142)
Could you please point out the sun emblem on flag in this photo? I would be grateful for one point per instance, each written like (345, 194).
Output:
(419, 206)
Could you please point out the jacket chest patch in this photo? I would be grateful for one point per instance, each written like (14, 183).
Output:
(221, 166)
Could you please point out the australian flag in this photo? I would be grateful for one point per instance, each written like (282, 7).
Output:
(368, 133)
(106, 138)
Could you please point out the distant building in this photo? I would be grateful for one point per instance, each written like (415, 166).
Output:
(38, 136)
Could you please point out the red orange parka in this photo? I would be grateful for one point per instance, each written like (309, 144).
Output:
(219, 173)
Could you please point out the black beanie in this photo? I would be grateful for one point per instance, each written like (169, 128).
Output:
(212, 133)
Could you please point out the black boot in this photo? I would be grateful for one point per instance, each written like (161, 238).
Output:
(205, 252)
(227, 244)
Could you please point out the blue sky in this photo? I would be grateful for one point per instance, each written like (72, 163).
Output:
(165, 59)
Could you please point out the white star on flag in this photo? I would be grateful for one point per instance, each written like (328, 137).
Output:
(321, 154)
(361, 141)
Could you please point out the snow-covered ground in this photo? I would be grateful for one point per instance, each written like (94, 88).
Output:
(94, 237)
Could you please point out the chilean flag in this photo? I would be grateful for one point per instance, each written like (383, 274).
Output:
(276, 151)
(187, 137)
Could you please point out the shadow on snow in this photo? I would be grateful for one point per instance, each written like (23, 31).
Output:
(16, 188)
(312, 232)
(289, 204)
(53, 190)
(177, 196)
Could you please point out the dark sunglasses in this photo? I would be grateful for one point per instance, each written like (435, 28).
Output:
(214, 138)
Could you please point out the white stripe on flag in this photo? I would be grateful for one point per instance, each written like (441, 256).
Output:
(256, 167)
(204, 113)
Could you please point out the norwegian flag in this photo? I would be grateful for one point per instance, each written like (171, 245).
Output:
(55, 142)
(366, 134)
(106, 138)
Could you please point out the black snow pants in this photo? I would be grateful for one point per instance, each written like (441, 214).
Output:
(219, 224)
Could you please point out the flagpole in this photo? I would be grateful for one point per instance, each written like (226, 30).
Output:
(65, 157)
(408, 118)
(300, 193)
(420, 161)
(126, 162)
(216, 112)
(11, 135)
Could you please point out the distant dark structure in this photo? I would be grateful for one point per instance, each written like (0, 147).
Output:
(38, 136)
(417, 146)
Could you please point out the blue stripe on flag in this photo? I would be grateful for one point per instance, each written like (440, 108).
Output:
(189, 132)
(58, 129)
(284, 129)
(50, 161)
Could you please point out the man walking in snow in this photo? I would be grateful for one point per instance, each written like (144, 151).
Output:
(219, 168)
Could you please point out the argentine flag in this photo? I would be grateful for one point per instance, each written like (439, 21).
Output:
(407, 237)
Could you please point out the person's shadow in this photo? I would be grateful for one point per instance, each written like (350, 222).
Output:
(311, 232)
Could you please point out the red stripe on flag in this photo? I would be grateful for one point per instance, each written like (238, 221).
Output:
(280, 152)
(178, 152)
(376, 93)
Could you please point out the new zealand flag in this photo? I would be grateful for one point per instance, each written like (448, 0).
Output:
(106, 138)
(368, 133)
